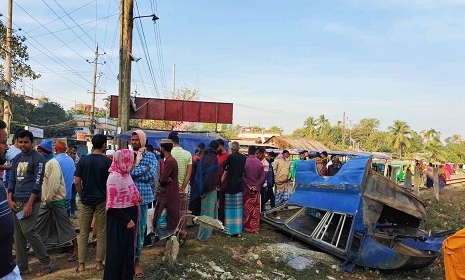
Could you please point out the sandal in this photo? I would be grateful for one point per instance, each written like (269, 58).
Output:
(46, 270)
(77, 269)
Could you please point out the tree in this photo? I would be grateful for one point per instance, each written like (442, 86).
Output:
(184, 93)
(310, 127)
(53, 118)
(19, 57)
(277, 129)
(21, 109)
(362, 132)
(400, 132)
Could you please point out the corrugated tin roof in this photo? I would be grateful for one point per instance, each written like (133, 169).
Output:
(287, 142)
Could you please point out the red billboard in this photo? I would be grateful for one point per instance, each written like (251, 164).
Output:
(176, 110)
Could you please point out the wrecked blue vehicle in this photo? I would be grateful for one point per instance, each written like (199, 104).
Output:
(359, 216)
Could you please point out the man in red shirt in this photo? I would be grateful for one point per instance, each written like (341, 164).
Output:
(222, 156)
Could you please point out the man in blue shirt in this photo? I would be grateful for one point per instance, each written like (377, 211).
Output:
(67, 168)
(143, 174)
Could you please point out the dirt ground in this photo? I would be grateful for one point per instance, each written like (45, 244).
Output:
(250, 256)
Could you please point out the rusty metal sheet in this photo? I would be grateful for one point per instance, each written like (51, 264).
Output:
(380, 189)
(176, 110)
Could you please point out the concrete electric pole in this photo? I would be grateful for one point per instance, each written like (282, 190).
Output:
(94, 87)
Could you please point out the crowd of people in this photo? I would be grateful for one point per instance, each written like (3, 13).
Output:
(124, 191)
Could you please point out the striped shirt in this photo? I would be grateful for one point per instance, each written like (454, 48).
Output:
(183, 158)
(4, 208)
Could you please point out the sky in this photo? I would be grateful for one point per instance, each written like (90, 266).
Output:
(277, 62)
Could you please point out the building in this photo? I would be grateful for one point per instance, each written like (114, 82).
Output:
(287, 142)
(253, 134)
(102, 126)
(34, 101)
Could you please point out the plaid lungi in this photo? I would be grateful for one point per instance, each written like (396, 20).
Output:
(210, 209)
(280, 198)
(233, 213)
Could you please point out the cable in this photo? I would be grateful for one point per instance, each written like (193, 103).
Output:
(80, 37)
(77, 25)
(156, 27)
(75, 10)
(145, 48)
(49, 31)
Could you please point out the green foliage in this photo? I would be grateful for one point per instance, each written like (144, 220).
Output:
(277, 129)
(400, 132)
(19, 57)
(53, 118)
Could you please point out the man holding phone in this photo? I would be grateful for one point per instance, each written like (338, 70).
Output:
(24, 194)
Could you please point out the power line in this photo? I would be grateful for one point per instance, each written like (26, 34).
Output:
(75, 10)
(80, 38)
(156, 27)
(74, 26)
(49, 31)
(145, 48)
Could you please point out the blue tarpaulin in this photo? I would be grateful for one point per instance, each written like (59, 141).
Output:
(187, 140)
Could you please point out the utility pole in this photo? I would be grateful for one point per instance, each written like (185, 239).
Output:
(92, 108)
(7, 114)
(174, 81)
(124, 92)
(344, 128)
(94, 87)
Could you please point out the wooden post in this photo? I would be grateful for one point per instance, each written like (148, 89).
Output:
(436, 183)
(394, 174)
(416, 180)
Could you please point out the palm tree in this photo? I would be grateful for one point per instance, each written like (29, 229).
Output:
(310, 126)
(323, 124)
(400, 132)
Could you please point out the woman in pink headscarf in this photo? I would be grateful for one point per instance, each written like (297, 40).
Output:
(122, 215)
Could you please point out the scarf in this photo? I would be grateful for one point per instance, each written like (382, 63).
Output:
(121, 191)
(142, 139)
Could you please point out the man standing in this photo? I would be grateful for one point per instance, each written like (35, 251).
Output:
(53, 224)
(184, 160)
(267, 192)
(233, 177)
(222, 156)
(282, 178)
(208, 173)
(8, 268)
(254, 177)
(24, 192)
(169, 188)
(67, 168)
(73, 207)
(143, 174)
(90, 180)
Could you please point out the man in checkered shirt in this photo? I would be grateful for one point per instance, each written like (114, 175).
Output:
(143, 175)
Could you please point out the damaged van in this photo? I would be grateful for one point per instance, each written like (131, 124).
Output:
(359, 216)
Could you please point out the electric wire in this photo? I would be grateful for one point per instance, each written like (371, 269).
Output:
(75, 10)
(145, 48)
(72, 30)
